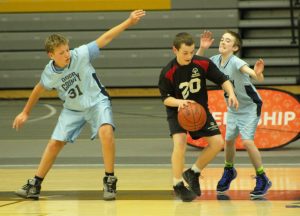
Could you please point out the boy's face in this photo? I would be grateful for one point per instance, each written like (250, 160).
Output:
(227, 44)
(61, 55)
(184, 54)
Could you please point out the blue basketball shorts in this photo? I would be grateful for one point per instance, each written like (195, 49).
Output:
(241, 123)
(70, 123)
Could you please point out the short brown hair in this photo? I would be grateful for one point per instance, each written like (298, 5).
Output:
(53, 41)
(183, 38)
(238, 40)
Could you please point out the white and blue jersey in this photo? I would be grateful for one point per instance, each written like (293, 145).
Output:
(85, 98)
(247, 95)
(245, 119)
(77, 84)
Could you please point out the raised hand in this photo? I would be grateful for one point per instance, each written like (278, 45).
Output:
(206, 39)
(136, 15)
(259, 67)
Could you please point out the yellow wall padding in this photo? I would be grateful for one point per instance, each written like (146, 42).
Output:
(24, 6)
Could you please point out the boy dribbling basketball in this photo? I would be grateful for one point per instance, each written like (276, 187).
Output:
(85, 100)
(183, 81)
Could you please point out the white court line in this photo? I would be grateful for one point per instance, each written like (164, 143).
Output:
(52, 112)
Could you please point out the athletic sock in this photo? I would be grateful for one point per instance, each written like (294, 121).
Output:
(39, 180)
(229, 164)
(260, 170)
(176, 181)
(109, 174)
(195, 169)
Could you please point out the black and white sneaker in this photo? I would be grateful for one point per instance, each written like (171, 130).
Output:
(31, 190)
(192, 179)
(109, 187)
(184, 193)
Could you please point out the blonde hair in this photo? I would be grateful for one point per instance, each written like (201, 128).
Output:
(53, 41)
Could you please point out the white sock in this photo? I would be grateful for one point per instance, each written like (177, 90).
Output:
(195, 169)
(176, 181)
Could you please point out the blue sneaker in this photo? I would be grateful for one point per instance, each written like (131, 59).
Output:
(263, 184)
(229, 174)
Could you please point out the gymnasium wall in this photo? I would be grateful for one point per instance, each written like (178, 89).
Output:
(130, 65)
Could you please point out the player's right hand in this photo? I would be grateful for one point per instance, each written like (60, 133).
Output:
(184, 103)
(136, 15)
(206, 39)
(20, 120)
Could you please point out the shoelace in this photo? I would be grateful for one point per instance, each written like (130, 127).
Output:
(111, 186)
(26, 186)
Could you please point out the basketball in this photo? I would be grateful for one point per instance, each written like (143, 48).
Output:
(192, 117)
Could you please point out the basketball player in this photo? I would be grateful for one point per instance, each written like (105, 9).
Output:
(244, 120)
(85, 101)
(183, 81)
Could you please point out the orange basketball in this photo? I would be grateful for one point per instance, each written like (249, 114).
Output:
(192, 117)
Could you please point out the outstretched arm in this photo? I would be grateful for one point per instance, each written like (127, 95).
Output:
(109, 35)
(257, 73)
(206, 40)
(232, 100)
(33, 98)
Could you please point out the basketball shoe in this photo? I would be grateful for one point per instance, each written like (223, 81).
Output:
(229, 174)
(31, 190)
(109, 187)
(192, 179)
(263, 184)
(184, 193)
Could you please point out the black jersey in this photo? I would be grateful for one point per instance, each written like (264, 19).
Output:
(189, 81)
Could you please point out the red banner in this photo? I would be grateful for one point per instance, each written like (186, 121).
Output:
(279, 123)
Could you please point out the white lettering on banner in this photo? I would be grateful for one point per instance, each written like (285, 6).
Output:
(220, 117)
(277, 118)
(274, 118)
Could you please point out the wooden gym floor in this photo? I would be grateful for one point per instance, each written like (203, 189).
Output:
(73, 186)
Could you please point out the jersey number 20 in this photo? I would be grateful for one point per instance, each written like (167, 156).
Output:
(192, 86)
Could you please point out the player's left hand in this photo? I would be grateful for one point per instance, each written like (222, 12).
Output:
(259, 67)
(136, 15)
(233, 102)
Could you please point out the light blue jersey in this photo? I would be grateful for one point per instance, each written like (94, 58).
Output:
(85, 98)
(77, 84)
(246, 93)
(245, 119)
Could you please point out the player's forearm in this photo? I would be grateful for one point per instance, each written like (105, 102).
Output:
(259, 77)
(33, 98)
(228, 88)
(171, 102)
(200, 51)
(108, 36)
